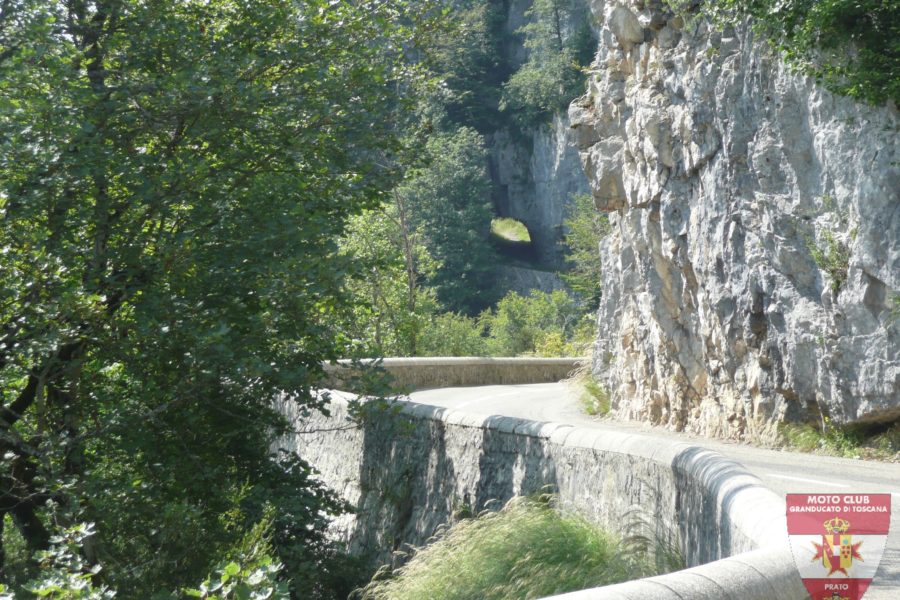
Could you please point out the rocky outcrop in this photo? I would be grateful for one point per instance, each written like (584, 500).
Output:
(535, 170)
(523, 281)
(753, 272)
(535, 173)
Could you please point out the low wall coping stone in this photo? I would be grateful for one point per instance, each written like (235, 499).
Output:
(455, 417)
(460, 371)
(582, 437)
(764, 574)
(504, 424)
(449, 361)
(560, 434)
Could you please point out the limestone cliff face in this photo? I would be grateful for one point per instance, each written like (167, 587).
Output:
(753, 273)
(536, 172)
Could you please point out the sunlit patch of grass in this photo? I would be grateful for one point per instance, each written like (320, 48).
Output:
(527, 550)
(592, 395)
(510, 229)
(595, 398)
(802, 437)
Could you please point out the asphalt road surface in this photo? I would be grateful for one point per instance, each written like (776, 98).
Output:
(783, 472)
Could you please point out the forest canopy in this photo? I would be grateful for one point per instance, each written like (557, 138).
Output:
(204, 201)
(174, 177)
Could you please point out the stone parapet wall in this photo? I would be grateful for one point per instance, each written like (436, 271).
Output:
(412, 469)
(439, 372)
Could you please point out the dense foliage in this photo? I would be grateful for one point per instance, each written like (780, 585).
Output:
(450, 204)
(392, 307)
(539, 323)
(559, 43)
(852, 46)
(173, 179)
(423, 252)
(472, 65)
(200, 202)
(536, 324)
(585, 228)
(430, 268)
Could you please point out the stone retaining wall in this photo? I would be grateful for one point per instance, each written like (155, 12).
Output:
(411, 469)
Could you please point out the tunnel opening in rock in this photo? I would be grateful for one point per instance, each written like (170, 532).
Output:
(512, 239)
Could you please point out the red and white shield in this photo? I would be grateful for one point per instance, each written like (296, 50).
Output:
(837, 541)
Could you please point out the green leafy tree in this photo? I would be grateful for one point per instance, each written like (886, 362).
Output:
(449, 202)
(392, 307)
(585, 227)
(539, 323)
(470, 61)
(64, 575)
(452, 334)
(250, 571)
(173, 177)
(557, 50)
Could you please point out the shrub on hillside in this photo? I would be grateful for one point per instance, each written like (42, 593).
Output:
(532, 324)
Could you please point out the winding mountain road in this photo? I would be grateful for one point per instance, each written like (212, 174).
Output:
(783, 472)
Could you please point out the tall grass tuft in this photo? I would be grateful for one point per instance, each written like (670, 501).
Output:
(592, 395)
(526, 550)
(595, 398)
(642, 537)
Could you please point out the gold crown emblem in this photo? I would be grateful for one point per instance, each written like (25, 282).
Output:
(837, 525)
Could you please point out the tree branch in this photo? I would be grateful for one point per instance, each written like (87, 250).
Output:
(14, 411)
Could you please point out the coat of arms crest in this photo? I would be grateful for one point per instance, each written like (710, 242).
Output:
(837, 541)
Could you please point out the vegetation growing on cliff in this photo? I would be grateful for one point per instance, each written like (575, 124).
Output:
(833, 257)
(472, 64)
(593, 396)
(553, 73)
(874, 442)
(852, 46)
(585, 229)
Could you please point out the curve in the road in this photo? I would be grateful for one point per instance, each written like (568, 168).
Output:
(773, 473)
